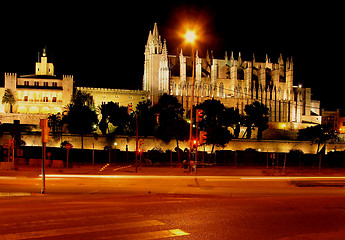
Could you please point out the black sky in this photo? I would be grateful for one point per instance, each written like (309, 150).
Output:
(102, 43)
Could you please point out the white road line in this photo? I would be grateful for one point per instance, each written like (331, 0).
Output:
(80, 230)
(149, 235)
(14, 194)
(53, 212)
(57, 221)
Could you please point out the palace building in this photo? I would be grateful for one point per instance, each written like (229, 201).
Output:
(43, 93)
(235, 82)
(36, 94)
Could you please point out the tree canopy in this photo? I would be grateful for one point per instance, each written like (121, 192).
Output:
(256, 116)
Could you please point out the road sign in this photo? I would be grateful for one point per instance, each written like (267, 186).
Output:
(68, 146)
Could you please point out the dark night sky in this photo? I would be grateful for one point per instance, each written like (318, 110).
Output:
(102, 43)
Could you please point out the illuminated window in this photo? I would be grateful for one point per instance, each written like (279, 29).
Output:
(33, 110)
(22, 109)
(45, 110)
(26, 98)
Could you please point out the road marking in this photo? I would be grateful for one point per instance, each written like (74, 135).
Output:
(53, 212)
(80, 230)
(149, 235)
(14, 194)
(57, 221)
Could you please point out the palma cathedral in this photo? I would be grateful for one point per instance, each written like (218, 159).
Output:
(234, 81)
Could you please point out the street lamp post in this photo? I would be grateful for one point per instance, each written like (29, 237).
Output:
(190, 37)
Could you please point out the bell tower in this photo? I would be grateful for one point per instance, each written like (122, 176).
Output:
(156, 71)
(43, 67)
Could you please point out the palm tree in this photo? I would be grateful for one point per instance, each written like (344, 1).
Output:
(81, 98)
(9, 99)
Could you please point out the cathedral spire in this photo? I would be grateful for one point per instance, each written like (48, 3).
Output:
(165, 50)
(155, 32)
(154, 43)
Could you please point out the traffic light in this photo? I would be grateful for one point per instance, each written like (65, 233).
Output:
(157, 118)
(45, 134)
(129, 108)
(199, 115)
(140, 145)
(195, 143)
(202, 137)
(45, 130)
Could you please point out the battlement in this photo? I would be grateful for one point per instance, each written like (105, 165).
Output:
(115, 91)
(10, 74)
(67, 76)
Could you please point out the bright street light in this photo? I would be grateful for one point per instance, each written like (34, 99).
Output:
(190, 36)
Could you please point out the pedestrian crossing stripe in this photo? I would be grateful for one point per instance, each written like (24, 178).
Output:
(149, 235)
(80, 230)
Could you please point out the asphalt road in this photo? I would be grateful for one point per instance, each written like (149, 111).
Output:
(172, 207)
(189, 184)
(170, 216)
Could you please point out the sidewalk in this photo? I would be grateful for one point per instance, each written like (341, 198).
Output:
(28, 171)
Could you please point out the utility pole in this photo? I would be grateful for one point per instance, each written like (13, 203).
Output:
(45, 139)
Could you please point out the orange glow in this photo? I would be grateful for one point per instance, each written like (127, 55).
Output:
(190, 25)
(342, 130)
(190, 36)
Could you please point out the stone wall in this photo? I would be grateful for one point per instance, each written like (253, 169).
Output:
(90, 142)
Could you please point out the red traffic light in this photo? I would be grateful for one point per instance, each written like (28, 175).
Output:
(129, 109)
(203, 137)
(199, 115)
(140, 145)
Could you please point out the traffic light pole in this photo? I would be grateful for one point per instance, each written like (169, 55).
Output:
(136, 145)
(45, 139)
(191, 107)
(43, 190)
(196, 148)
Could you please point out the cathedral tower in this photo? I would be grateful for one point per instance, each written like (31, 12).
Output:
(156, 66)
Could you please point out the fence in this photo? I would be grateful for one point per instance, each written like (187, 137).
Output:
(154, 157)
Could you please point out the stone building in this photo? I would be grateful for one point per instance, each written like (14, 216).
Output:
(122, 97)
(43, 93)
(235, 82)
(36, 94)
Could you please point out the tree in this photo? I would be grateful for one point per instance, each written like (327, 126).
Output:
(106, 109)
(55, 122)
(79, 117)
(215, 122)
(233, 119)
(124, 123)
(146, 118)
(256, 115)
(319, 134)
(81, 120)
(9, 99)
(170, 121)
(80, 98)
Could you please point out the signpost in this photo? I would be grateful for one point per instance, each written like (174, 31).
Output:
(68, 147)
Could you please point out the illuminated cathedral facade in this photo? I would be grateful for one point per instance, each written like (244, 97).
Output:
(234, 81)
